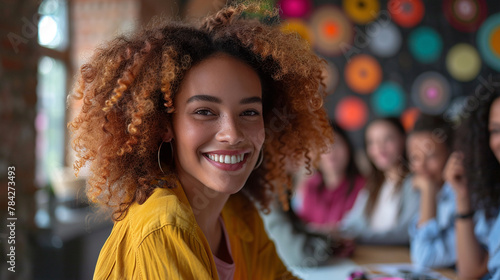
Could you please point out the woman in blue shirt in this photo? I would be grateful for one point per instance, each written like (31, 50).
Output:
(432, 234)
(474, 174)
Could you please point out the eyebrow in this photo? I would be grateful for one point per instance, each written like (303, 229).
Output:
(208, 98)
(217, 100)
(250, 100)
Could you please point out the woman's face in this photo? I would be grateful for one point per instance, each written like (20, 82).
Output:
(384, 145)
(427, 155)
(494, 128)
(337, 158)
(218, 128)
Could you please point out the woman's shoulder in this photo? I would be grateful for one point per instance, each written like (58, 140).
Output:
(164, 208)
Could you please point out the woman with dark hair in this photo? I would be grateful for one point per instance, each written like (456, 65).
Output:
(303, 239)
(474, 174)
(184, 128)
(331, 191)
(385, 207)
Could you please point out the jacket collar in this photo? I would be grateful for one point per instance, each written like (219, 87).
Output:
(236, 213)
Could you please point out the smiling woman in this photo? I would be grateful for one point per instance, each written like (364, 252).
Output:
(228, 107)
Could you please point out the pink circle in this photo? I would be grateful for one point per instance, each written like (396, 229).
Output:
(432, 92)
(465, 9)
(294, 8)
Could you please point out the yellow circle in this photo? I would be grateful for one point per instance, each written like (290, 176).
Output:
(362, 11)
(299, 27)
(495, 41)
(463, 62)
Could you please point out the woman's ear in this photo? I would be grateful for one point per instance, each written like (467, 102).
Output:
(167, 136)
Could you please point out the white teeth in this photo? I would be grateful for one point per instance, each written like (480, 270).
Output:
(227, 159)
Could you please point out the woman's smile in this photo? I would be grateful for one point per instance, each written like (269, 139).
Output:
(227, 160)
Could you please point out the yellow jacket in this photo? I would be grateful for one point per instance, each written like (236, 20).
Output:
(160, 239)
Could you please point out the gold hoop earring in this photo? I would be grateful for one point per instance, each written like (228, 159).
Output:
(260, 159)
(159, 152)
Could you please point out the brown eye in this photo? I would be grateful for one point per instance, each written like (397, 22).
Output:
(251, 113)
(204, 112)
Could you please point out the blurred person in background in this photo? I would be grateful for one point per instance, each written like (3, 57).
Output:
(432, 232)
(302, 239)
(384, 208)
(331, 190)
(474, 173)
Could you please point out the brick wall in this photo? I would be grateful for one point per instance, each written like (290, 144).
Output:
(18, 72)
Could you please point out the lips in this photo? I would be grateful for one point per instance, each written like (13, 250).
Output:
(227, 160)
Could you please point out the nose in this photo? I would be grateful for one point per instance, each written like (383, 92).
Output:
(230, 131)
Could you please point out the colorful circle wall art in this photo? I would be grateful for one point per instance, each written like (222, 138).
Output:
(332, 31)
(389, 99)
(409, 117)
(330, 77)
(294, 8)
(463, 62)
(363, 74)
(430, 92)
(361, 11)
(351, 113)
(299, 27)
(425, 44)
(465, 15)
(406, 13)
(385, 39)
(488, 41)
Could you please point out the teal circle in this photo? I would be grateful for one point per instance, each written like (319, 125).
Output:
(425, 44)
(483, 41)
(389, 99)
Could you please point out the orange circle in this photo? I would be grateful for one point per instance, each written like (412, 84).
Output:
(406, 13)
(408, 118)
(330, 29)
(495, 41)
(363, 74)
(351, 113)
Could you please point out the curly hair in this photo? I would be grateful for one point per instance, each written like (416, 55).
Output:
(129, 86)
(481, 165)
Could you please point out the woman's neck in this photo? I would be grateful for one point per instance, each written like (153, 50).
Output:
(393, 174)
(332, 179)
(207, 206)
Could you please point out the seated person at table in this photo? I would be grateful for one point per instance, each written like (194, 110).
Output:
(327, 195)
(384, 208)
(432, 233)
(474, 173)
(330, 192)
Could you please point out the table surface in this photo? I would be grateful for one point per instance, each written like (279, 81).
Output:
(363, 255)
(371, 254)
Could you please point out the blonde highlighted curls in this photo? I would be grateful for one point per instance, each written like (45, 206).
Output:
(128, 90)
